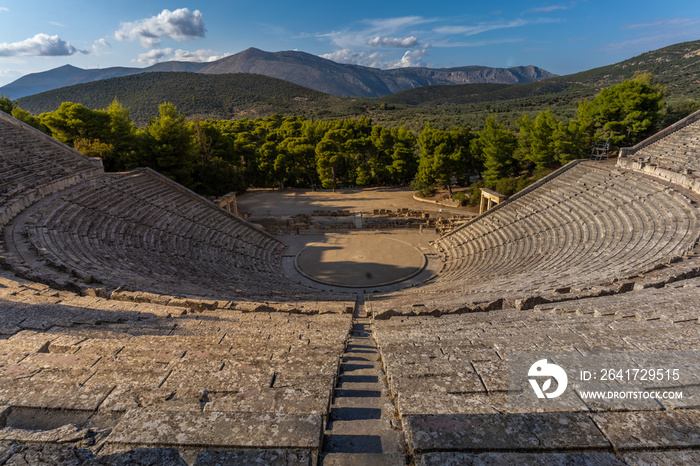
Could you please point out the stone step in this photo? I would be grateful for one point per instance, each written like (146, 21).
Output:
(353, 426)
(379, 442)
(383, 403)
(365, 459)
(360, 428)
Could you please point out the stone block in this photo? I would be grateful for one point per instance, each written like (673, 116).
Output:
(503, 432)
(218, 430)
(530, 459)
(662, 458)
(642, 430)
(272, 400)
(276, 457)
(64, 395)
(414, 402)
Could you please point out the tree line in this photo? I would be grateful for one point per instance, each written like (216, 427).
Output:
(214, 157)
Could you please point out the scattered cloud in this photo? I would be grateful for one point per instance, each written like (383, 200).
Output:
(379, 41)
(199, 55)
(157, 55)
(153, 56)
(411, 58)
(654, 35)
(472, 30)
(666, 23)
(358, 43)
(374, 32)
(480, 28)
(548, 9)
(99, 45)
(364, 58)
(41, 45)
(4, 9)
(476, 43)
(180, 25)
(56, 23)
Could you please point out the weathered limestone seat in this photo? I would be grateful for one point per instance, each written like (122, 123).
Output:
(587, 226)
(129, 375)
(449, 376)
(33, 165)
(143, 232)
(672, 154)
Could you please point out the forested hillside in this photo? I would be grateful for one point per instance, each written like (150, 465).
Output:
(230, 96)
(215, 156)
(676, 67)
(224, 96)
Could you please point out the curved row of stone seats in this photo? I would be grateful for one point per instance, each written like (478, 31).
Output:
(450, 378)
(143, 232)
(672, 154)
(34, 165)
(105, 376)
(587, 226)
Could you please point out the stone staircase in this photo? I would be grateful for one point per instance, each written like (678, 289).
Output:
(363, 427)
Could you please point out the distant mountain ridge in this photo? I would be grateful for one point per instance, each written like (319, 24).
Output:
(301, 68)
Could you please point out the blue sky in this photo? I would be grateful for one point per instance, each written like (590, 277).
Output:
(560, 36)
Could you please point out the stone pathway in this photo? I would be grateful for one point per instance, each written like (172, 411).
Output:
(361, 428)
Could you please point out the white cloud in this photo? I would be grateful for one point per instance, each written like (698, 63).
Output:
(548, 9)
(39, 45)
(379, 41)
(369, 31)
(99, 45)
(643, 37)
(486, 27)
(394, 24)
(477, 43)
(371, 59)
(666, 24)
(480, 28)
(2, 8)
(198, 55)
(56, 23)
(157, 55)
(358, 42)
(180, 25)
(411, 59)
(153, 56)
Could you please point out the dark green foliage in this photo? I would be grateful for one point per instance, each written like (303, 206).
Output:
(169, 146)
(214, 157)
(222, 96)
(6, 104)
(461, 197)
(444, 154)
(623, 113)
(497, 146)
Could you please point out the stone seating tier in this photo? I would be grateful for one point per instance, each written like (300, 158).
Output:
(125, 375)
(33, 165)
(588, 226)
(450, 375)
(138, 231)
(672, 154)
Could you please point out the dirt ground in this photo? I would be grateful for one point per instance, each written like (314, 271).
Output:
(360, 259)
(297, 201)
(355, 258)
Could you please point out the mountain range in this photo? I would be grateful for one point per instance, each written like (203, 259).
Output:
(301, 68)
